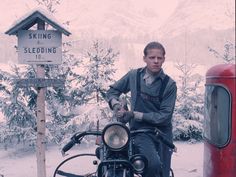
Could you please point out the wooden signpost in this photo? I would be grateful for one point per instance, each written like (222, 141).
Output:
(39, 47)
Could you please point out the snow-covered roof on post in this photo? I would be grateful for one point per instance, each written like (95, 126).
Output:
(30, 19)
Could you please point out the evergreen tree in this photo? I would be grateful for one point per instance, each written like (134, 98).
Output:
(98, 71)
(18, 107)
(188, 114)
(228, 55)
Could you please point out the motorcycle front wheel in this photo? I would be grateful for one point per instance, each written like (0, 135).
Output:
(76, 166)
(171, 173)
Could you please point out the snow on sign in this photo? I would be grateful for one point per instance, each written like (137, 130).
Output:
(39, 47)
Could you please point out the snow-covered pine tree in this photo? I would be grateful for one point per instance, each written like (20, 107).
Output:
(18, 107)
(228, 56)
(86, 80)
(188, 114)
(62, 101)
(98, 71)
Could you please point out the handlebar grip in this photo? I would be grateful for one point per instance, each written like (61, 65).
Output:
(68, 146)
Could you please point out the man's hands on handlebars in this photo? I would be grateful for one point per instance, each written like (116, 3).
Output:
(127, 115)
(122, 114)
(116, 108)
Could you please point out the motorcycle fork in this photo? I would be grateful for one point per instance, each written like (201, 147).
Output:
(131, 143)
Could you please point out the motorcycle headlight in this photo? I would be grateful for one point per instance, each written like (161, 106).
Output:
(139, 163)
(116, 136)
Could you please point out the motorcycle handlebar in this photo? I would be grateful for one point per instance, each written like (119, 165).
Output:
(67, 147)
(76, 139)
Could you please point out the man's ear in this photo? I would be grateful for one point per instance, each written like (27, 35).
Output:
(164, 60)
(144, 59)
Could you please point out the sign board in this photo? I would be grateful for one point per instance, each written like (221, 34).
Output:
(39, 47)
(40, 82)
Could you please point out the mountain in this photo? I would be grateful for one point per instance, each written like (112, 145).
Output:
(194, 15)
(194, 47)
(195, 26)
(107, 19)
(130, 18)
(127, 25)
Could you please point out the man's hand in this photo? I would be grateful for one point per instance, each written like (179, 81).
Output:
(127, 115)
(118, 111)
(117, 107)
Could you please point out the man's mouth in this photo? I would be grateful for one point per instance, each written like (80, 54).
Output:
(155, 66)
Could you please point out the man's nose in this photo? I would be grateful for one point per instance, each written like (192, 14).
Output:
(156, 60)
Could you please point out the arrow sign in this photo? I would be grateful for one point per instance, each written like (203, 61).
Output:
(40, 82)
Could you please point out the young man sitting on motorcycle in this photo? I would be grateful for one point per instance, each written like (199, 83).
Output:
(153, 95)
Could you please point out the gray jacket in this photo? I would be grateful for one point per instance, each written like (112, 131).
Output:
(128, 83)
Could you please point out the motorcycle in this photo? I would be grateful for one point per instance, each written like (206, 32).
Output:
(115, 152)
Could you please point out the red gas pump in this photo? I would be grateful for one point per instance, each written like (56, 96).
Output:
(220, 122)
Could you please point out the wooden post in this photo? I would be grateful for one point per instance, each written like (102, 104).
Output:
(41, 139)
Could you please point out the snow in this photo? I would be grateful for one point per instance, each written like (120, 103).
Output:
(39, 10)
(187, 162)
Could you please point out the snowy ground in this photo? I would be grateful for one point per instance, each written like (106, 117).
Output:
(187, 162)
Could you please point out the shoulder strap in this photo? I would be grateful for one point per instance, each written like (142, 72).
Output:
(138, 79)
(163, 87)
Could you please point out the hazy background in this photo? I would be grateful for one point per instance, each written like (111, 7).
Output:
(186, 27)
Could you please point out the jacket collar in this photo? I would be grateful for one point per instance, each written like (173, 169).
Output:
(160, 75)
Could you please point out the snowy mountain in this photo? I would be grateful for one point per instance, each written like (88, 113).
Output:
(194, 15)
(127, 25)
(193, 47)
(129, 19)
(114, 18)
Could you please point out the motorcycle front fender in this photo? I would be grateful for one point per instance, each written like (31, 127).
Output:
(109, 168)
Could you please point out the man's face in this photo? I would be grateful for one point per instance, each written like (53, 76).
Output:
(154, 60)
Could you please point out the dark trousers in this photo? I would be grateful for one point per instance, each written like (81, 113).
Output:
(165, 156)
(158, 165)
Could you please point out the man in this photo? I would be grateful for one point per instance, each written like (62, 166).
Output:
(153, 96)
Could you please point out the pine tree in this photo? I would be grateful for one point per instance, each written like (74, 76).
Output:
(98, 71)
(18, 108)
(228, 55)
(188, 114)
